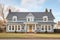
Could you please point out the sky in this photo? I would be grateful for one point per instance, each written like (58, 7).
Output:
(36, 6)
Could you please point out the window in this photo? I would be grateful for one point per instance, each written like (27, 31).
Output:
(48, 27)
(42, 27)
(30, 17)
(45, 18)
(12, 27)
(18, 27)
(9, 27)
(52, 26)
(22, 27)
(14, 18)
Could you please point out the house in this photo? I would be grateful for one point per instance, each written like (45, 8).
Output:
(57, 27)
(30, 21)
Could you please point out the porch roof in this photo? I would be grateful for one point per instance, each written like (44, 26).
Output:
(46, 23)
(15, 23)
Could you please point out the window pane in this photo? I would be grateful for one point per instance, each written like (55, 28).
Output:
(42, 27)
(12, 27)
(22, 27)
(18, 27)
(46, 27)
(45, 19)
(28, 19)
(49, 27)
(9, 27)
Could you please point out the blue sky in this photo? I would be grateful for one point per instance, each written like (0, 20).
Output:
(36, 5)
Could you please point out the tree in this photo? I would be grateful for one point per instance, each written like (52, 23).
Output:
(2, 19)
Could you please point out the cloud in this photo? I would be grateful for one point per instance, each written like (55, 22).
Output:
(32, 4)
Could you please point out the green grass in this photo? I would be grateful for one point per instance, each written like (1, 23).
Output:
(28, 35)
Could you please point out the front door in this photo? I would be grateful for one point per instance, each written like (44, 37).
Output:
(30, 28)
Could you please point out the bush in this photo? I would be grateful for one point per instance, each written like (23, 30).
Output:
(1, 30)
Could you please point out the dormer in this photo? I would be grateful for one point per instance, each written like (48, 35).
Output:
(30, 17)
(14, 18)
(45, 18)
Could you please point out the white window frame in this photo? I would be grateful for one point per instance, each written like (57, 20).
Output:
(42, 27)
(31, 19)
(9, 26)
(44, 18)
(14, 17)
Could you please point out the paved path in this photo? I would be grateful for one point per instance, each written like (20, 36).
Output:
(29, 39)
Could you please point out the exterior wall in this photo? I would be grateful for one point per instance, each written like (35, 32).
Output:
(51, 28)
(26, 28)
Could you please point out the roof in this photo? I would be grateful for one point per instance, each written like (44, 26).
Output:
(35, 14)
(13, 23)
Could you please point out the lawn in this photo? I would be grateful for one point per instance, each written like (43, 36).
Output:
(28, 35)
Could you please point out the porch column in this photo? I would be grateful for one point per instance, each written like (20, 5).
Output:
(35, 27)
(11, 27)
(17, 27)
(44, 28)
(20, 27)
(14, 27)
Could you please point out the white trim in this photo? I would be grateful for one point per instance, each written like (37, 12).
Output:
(14, 17)
(43, 28)
(17, 28)
(25, 27)
(20, 27)
(46, 18)
(11, 29)
(51, 29)
(35, 27)
(14, 27)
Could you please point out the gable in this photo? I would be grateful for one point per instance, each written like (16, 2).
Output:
(30, 15)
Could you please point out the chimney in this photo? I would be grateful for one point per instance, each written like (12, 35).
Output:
(50, 10)
(9, 10)
(46, 10)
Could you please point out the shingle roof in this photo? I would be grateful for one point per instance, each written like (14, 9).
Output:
(35, 14)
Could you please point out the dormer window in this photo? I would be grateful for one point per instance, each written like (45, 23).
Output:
(45, 18)
(30, 17)
(14, 18)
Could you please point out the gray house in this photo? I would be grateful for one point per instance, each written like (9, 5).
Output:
(30, 21)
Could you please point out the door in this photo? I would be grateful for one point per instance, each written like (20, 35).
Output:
(30, 28)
